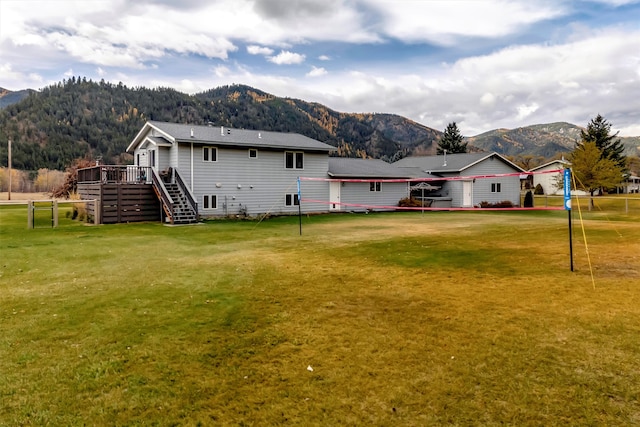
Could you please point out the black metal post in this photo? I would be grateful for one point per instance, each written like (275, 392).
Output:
(570, 240)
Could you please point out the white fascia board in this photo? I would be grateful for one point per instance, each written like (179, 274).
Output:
(142, 135)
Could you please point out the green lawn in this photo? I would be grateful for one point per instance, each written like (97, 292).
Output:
(458, 318)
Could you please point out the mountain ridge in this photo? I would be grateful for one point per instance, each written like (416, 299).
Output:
(81, 118)
(8, 97)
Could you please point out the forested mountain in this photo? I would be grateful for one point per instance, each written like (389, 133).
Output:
(540, 140)
(81, 118)
(78, 118)
(8, 97)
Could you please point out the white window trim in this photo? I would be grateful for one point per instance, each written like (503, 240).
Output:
(210, 196)
(377, 187)
(295, 153)
(294, 199)
(211, 150)
(496, 187)
(249, 153)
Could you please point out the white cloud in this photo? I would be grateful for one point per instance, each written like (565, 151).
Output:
(512, 87)
(316, 72)
(614, 2)
(287, 57)
(15, 80)
(311, 20)
(525, 110)
(221, 71)
(488, 99)
(444, 22)
(259, 50)
(581, 70)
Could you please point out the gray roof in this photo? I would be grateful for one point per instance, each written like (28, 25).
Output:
(159, 140)
(564, 163)
(343, 167)
(455, 163)
(233, 137)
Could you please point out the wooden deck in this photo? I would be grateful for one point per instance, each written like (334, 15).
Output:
(125, 193)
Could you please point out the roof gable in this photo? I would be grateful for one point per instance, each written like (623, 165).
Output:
(554, 164)
(451, 163)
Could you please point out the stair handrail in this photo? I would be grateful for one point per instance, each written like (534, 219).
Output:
(187, 192)
(165, 198)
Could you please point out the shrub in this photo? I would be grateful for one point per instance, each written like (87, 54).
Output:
(528, 200)
(410, 202)
(79, 209)
(538, 190)
(502, 204)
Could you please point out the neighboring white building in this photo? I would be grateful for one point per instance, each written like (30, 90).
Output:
(631, 185)
(550, 182)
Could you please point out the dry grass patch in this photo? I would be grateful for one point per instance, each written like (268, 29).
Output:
(463, 319)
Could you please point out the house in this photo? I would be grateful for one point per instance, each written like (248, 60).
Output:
(549, 176)
(184, 172)
(229, 171)
(365, 184)
(467, 179)
(631, 184)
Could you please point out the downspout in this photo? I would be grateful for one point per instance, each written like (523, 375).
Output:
(191, 167)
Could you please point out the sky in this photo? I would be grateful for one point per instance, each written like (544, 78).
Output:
(484, 64)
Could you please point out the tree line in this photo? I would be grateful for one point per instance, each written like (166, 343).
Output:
(81, 118)
(597, 161)
(78, 118)
(41, 181)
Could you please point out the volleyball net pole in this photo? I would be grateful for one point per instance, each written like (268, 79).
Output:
(567, 207)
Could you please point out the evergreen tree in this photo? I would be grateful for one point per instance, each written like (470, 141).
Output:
(598, 131)
(452, 140)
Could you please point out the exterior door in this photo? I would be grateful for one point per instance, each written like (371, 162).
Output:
(334, 195)
(467, 194)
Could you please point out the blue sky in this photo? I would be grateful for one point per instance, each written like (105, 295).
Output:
(484, 64)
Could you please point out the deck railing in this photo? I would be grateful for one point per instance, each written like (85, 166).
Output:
(115, 174)
(186, 192)
(162, 193)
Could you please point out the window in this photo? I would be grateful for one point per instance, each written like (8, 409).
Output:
(293, 160)
(253, 153)
(210, 201)
(496, 187)
(375, 186)
(209, 154)
(291, 199)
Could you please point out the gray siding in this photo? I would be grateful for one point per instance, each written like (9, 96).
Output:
(173, 155)
(453, 189)
(510, 185)
(258, 185)
(481, 187)
(182, 159)
(359, 193)
(164, 158)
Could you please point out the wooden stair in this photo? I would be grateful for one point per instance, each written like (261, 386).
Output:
(182, 213)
